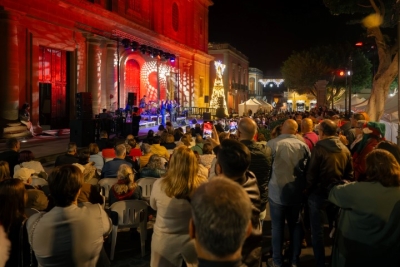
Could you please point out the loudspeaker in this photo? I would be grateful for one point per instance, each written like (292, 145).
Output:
(207, 116)
(84, 105)
(82, 132)
(206, 99)
(220, 102)
(220, 113)
(132, 97)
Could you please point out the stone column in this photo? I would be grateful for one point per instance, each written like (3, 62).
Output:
(111, 81)
(9, 66)
(94, 72)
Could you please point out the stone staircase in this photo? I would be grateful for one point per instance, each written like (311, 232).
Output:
(16, 130)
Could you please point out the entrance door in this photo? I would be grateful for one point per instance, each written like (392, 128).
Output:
(132, 78)
(53, 96)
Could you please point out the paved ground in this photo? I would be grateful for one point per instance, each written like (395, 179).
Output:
(46, 148)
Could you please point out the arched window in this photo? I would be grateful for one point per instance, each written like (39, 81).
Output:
(175, 17)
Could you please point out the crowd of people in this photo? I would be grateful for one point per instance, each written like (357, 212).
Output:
(211, 194)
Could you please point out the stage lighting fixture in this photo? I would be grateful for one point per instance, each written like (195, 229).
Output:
(126, 43)
(172, 58)
(143, 49)
(166, 55)
(134, 46)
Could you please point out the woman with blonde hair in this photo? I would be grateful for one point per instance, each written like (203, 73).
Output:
(4, 170)
(125, 188)
(368, 231)
(171, 242)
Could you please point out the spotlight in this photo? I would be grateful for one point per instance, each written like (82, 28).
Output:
(166, 55)
(126, 43)
(172, 58)
(152, 52)
(143, 49)
(134, 46)
(159, 53)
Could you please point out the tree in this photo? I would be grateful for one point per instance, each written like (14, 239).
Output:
(302, 69)
(377, 17)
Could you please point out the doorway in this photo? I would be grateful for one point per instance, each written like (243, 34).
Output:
(53, 88)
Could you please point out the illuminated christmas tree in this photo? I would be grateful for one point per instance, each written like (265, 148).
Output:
(218, 89)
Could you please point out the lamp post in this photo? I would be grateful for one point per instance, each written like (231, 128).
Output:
(350, 78)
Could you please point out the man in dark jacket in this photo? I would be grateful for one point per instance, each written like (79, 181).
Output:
(260, 163)
(233, 162)
(330, 163)
(68, 158)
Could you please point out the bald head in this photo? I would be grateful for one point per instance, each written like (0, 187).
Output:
(247, 129)
(289, 127)
(306, 125)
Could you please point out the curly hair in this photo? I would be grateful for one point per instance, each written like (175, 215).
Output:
(126, 178)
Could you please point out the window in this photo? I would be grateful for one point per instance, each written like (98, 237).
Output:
(201, 26)
(252, 83)
(175, 17)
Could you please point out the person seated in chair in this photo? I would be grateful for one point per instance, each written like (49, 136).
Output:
(68, 158)
(154, 168)
(126, 187)
(111, 167)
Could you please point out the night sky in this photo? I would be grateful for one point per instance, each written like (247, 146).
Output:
(267, 31)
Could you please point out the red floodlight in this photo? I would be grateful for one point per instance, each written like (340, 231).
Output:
(359, 44)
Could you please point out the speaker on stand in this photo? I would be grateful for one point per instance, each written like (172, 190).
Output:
(84, 106)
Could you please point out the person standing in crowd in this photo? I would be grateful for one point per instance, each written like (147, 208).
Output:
(233, 161)
(163, 111)
(260, 163)
(68, 235)
(70, 157)
(170, 244)
(330, 163)
(215, 205)
(286, 191)
(368, 231)
(11, 155)
(309, 136)
(372, 135)
(135, 121)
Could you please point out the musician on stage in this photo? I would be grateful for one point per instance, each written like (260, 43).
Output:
(172, 112)
(163, 112)
(142, 103)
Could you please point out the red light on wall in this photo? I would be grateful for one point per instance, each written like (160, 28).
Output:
(359, 44)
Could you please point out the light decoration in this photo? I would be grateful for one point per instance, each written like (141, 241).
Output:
(277, 82)
(218, 89)
(148, 75)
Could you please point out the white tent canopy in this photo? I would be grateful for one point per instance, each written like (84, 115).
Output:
(355, 100)
(254, 105)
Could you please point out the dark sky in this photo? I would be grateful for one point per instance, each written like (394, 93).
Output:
(267, 31)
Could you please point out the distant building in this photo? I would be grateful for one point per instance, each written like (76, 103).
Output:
(255, 87)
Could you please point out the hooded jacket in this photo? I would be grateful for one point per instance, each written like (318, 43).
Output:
(329, 164)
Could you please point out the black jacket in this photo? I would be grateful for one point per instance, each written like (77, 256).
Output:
(329, 164)
(260, 165)
(251, 249)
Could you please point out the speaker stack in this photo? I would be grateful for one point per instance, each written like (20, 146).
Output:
(132, 98)
(82, 132)
(84, 106)
(220, 111)
(206, 99)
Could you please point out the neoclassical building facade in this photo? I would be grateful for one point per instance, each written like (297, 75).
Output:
(51, 50)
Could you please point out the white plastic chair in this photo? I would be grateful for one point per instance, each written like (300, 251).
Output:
(106, 184)
(39, 181)
(146, 185)
(131, 214)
